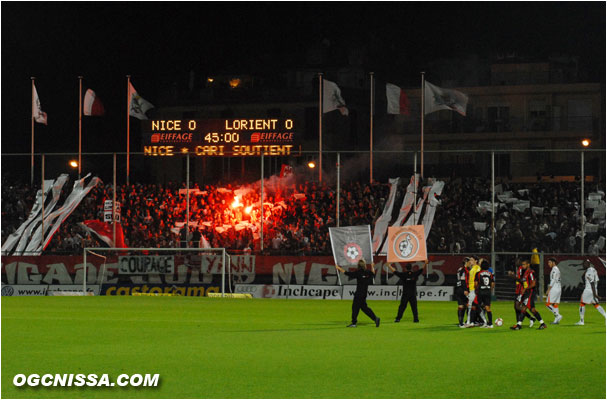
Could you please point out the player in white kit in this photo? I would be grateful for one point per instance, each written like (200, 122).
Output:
(553, 296)
(589, 296)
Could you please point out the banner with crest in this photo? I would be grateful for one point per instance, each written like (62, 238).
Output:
(406, 244)
(351, 244)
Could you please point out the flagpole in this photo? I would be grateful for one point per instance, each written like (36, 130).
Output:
(114, 204)
(371, 127)
(422, 134)
(338, 191)
(128, 128)
(32, 158)
(42, 194)
(80, 127)
(320, 127)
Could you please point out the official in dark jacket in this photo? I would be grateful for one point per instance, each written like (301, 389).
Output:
(409, 281)
(364, 278)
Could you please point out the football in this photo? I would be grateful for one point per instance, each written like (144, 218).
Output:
(499, 322)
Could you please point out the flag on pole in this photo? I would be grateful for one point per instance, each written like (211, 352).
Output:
(92, 106)
(286, 171)
(398, 102)
(406, 244)
(138, 106)
(437, 98)
(331, 98)
(105, 232)
(351, 244)
(39, 115)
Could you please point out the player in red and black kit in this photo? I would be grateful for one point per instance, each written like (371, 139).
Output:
(518, 276)
(527, 297)
(461, 291)
(484, 284)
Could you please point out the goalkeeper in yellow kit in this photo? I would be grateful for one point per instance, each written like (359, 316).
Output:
(472, 264)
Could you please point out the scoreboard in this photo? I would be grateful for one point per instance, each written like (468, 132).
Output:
(220, 137)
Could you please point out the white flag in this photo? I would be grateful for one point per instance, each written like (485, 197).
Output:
(331, 98)
(138, 106)
(381, 225)
(437, 98)
(38, 114)
(39, 239)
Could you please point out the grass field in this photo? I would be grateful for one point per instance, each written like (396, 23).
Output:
(262, 348)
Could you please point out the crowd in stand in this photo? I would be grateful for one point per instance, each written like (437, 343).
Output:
(297, 216)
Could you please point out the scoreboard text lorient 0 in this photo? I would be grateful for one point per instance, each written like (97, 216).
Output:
(220, 137)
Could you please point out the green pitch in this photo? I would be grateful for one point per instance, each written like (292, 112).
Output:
(228, 348)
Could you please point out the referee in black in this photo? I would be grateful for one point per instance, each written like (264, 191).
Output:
(409, 281)
(364, 278)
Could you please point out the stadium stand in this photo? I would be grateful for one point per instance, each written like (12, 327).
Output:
(298, 217)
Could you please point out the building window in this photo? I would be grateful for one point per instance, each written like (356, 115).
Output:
(538, 116)
(579, 114)
(498, 119)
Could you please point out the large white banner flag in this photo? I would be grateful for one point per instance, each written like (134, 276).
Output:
(351, 244)
(405, 208)
(436, 98)
(138, 106)
(331, 98)
(433, 202)
(415, 218)
(34, 215)
(54, 220)
(56, 187)
(381, 225)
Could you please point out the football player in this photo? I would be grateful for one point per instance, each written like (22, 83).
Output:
(527, 298)
(474, 268)
(461, 291)
(484, 284)
(589, 295)
(553, 295)
(518, 276)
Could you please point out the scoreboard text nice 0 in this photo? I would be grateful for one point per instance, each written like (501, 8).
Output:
(219, 137)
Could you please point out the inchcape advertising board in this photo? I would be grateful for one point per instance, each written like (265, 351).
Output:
(375, 292)
(385, 292)
(129, 265)
(62, 290)
(24, 290)
(291, 291)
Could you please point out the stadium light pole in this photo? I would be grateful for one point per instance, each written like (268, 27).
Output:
(582, 205)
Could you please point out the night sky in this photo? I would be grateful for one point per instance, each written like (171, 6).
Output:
(157, 43)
